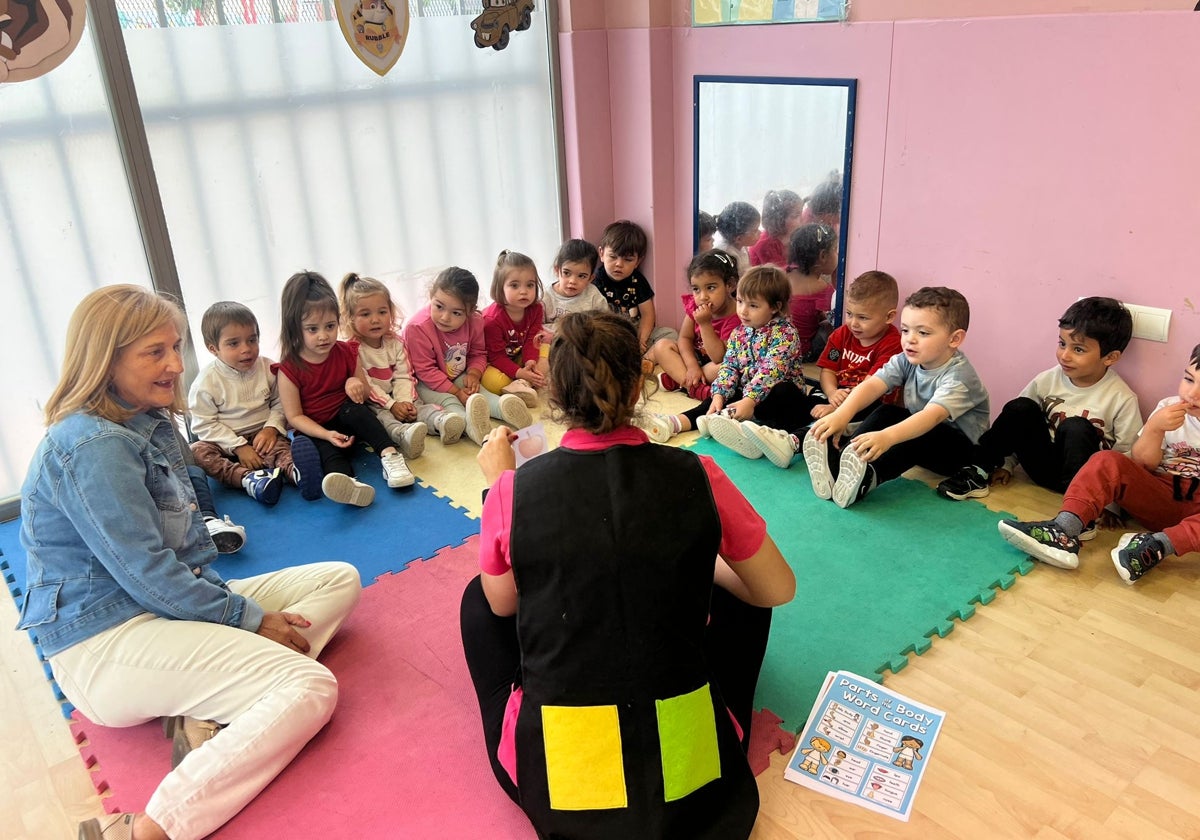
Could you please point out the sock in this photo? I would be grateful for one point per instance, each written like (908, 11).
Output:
(1165, 541)
(675, 423)
(1070, 523)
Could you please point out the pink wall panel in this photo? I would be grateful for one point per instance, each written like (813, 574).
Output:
(587, 148)
(1031, 161)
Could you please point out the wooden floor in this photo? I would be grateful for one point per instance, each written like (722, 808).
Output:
(1072, 712)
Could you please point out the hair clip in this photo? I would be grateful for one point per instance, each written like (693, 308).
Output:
(723, 257)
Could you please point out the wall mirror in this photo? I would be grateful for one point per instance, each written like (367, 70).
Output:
(755, 134)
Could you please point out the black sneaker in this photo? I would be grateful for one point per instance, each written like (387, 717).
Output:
(1043, 541)
(306, 467)
(856, 478)
(968, 483)
(1137, 554)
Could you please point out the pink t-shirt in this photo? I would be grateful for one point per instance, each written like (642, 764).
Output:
(724, 326)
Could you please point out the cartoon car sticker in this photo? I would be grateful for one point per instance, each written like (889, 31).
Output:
(499, 18)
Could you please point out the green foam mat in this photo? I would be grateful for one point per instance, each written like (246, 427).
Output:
(874, 582)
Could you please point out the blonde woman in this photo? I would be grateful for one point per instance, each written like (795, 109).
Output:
(133, 620)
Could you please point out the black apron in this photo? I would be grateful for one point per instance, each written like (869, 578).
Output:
(621, 732)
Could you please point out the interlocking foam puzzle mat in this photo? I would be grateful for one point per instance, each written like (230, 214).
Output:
(874, 582)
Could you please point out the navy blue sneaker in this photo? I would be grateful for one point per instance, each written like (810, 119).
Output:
(1137, 554)
(306, 466)
(264, 485)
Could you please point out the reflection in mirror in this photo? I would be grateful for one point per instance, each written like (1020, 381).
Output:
(772, 171)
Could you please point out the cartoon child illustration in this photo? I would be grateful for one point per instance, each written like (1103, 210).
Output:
(908, 750)
(814, 757)
(37, 35)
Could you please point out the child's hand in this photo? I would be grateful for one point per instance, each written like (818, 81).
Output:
(694, 377)
(496, 455)
(531, 375)
(838, 397)
(248, 458)
(356, 389)
(405, 411)
(743, 409)
(470, 384)
(1000, 476)
(829, 426)
(340, 440)
(870, 445)
(264, 441)
(820, 410)
(702, 316)
(718, 404)
(1168, 418)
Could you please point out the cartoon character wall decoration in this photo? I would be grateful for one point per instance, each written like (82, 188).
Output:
(375, 30)
(499, 18)
(37, 35)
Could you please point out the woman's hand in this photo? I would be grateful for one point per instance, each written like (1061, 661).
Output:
(281, 627)
(496, 455)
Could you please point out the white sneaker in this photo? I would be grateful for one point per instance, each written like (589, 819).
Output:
(521, 388)
(410, 438)
(730, 434)
(656, 426)
(479, 420)
(345, 490)
(776, 444)
(395, 472)
(228, 537)
(702, 426)
(514, 412)
(450, 426)
(816, 456)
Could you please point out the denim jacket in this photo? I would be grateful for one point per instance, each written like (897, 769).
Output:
(111, 528)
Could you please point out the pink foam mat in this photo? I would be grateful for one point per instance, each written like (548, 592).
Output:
(403, 755)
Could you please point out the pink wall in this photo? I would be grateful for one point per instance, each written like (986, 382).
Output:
(1026, 161)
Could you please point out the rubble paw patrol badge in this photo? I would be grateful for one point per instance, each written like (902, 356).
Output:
(375, 29)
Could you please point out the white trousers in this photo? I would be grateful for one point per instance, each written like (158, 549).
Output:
(271, 698)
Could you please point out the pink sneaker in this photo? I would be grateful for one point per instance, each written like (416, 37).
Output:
(667, 383)
(700, 392)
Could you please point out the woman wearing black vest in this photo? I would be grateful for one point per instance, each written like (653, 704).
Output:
(615, 689)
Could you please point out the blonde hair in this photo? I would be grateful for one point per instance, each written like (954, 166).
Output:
(354, 289)
(103, 324)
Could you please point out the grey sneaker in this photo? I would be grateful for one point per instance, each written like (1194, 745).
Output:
(731, 434)
(410, 438)
(1137, 554)
(109, 827)
(226, 535)
(395, 472)
(186, 734)
(816, 456)
(856, 478)
(450, 426)
(776, 444)
(1044, 541)
(514, 412)
(345, 490)
(479, 421)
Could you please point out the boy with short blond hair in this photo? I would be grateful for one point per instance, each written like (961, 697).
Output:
(1065, 414)
(944, 413)
(624, 286)
(235, 409)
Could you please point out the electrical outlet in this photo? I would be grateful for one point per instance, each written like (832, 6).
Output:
(1149, 322)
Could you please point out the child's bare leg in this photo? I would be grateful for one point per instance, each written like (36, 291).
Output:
(666, 353)
(710, 371)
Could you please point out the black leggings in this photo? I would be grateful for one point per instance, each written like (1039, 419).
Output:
(352, 419)
(735, 641)
(783, 405)
(943, 449)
